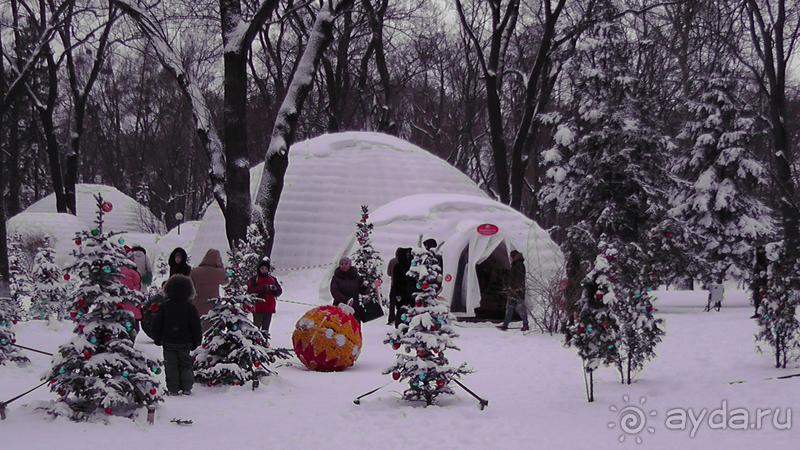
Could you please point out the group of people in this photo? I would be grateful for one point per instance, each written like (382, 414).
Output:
(177, 325)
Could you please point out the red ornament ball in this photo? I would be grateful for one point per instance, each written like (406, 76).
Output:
(80, 301)
(72, 314)
(60, 393)
(419, 304)
(108, 410)
(107, 207)
(77, 242)
(395, 375)
(66, 276)
(440, 382)
(203, 345)
(80, 327)
(599, 296)
(580, 329)
(668, 233)
(424, 285)
(649, 308)
(108, 337)
(87, 354)
(209, 384)
(256, 363)
(153, 391)
(420, 352)
(396, 345)
(154, 307)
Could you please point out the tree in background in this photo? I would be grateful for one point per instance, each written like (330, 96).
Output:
(234, 351)
(366, 259)
(99, 371)
(426, 331)
(9, 316)
(719, 200)
(49, 300)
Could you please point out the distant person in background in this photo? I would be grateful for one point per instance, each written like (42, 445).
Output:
(716, 292)
(392, 301)
(177, 263)
(515, 291)
(131, 279)
(207, 278)
(403, 286)
(142, 265)
(346, 285)
(267, 288)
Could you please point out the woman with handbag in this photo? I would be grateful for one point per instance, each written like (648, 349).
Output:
(267, 288)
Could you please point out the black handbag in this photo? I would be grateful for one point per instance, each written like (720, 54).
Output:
(371, 311)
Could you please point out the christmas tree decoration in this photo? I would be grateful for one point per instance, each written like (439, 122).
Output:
(427, 328)
(9, 352)
(778, 326)
(234, 351)
(327, 339)
(367, 260)
(107, 375)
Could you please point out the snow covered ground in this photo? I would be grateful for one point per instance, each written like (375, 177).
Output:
(533, 384)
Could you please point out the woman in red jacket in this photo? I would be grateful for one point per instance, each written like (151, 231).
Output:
(268, 289)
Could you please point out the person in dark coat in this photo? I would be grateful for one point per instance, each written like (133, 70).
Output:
(176, 327)
(177, 262)
(392, 301)
(267, 288)
(346, 285)
(403, 286)
(207, 278)
(515, 291)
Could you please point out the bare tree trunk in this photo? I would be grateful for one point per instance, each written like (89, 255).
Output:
(283, 133)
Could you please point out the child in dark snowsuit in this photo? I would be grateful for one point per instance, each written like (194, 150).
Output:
(176, 327)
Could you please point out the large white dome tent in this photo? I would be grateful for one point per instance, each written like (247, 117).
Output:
(127, 214)
(471, 231)
(327, 180)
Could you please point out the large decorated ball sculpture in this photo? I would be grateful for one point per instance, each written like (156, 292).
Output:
(327, 339)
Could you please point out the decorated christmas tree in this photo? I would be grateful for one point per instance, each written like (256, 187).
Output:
(425, 333)
(8, 317)
(367, 259)
(99, 371)
(49, 300)
(234, 351)
(595, 332)
(778, 326)
(639, 330)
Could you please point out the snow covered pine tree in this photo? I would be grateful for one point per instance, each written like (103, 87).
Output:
(49, 297)
(234, 351)
(99, 371)
(426, 332)
(9, 316)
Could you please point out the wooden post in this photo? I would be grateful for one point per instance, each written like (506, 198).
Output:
(151, 414)
(255, 384)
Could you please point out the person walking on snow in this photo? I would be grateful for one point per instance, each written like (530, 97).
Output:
(515, 291)
(267, 288)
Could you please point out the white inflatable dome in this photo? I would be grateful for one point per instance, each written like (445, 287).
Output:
(331, 176)
(127, 214)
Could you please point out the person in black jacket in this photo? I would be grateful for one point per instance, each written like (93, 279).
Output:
(177, 262)
(515, 291)
(346, 285)
(176, 327)
(403, 286)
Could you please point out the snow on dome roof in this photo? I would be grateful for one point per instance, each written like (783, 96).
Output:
(60, 228)
(331, 176)
(127, 214)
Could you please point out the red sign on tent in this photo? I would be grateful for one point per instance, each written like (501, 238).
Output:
(487, 229)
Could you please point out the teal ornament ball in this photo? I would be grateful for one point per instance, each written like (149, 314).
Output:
(95, 232)
(637, 295)
(3, 342)
(125, 373)
(234, 328)
(588, 328)
(93, 340)
(128, 325)
(403, 317)
(415, 384)
(418, 286)
(121, 241)
(61, 370)
(649, 289)
(413, 263)
(439, 319)
(610, 345)
(229, 272)
(422, 376)
(107, 269)
(154, 369)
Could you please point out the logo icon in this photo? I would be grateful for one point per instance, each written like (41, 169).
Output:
(632, 420)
